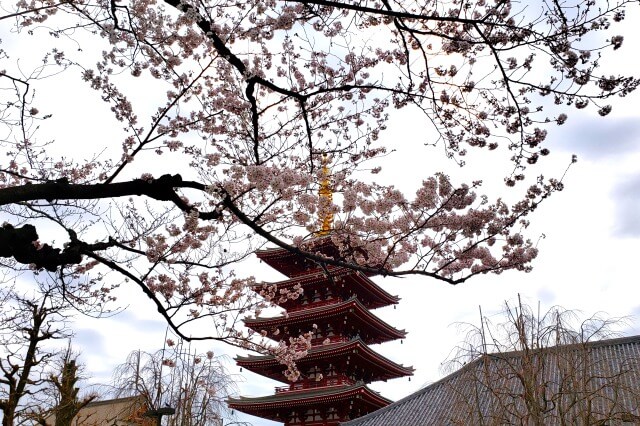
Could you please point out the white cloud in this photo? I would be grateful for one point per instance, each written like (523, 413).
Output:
(627, 207)
(597, 138)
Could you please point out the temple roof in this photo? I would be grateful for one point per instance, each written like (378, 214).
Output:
(270, 406)
(471, 395)
(336, 353)
(119, 411)
(373, 329)
(368, 292)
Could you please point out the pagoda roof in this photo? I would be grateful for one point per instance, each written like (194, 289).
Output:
(292, 264)
(268, 366)
(271, 406)
(380, 331)
(376, 295)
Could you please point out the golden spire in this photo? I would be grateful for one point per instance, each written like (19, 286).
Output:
(325, 193)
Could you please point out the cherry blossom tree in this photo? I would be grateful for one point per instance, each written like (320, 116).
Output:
(208, 122)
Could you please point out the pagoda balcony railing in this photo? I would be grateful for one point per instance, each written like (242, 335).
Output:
(314, 305)
(312, 384)
(319, 341)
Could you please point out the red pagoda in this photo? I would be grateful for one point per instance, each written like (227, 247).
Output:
(336, 304)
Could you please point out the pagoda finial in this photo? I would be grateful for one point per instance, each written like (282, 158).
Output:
(325, 213)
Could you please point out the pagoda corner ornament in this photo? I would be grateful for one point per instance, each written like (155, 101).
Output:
(335, 304)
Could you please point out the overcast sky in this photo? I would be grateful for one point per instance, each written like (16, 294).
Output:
(587, 261)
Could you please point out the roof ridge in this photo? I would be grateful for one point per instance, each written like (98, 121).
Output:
(115, 400)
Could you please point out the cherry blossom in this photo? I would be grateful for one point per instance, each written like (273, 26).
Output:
(220, 115)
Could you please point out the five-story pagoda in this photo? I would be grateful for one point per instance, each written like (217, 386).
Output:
(335, 303)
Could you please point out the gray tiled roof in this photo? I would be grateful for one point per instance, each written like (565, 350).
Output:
(600, 378)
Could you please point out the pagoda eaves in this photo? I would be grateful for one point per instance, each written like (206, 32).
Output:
(356, 283)
(361, 321)
(344, 356)
(293, 264)
(309, 406)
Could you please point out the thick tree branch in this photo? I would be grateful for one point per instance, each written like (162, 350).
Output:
(161, 189)
(22, 243)
(387, 12)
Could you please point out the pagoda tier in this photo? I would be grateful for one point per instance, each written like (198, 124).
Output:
(336, 282)
(323, 405)
(337, 320)
(339, 361)
(292, 264)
